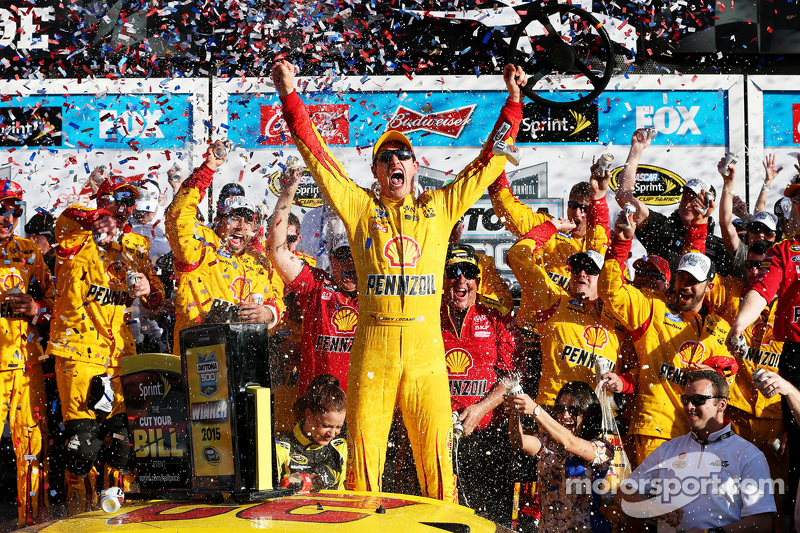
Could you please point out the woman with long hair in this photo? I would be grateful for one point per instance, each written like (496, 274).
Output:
(571, 455)
(313, 446)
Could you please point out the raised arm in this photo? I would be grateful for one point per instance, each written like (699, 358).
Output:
(729, 236)
(771, 174)
(286, 263)
(627, 182)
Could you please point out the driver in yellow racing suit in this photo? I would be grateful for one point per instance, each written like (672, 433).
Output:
(399, 244)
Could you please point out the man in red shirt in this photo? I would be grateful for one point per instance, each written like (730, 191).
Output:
(329, 299)
(482, 349)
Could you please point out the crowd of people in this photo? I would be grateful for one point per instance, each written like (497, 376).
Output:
(411, 337)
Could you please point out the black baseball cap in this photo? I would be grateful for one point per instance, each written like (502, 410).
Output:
(41, 224)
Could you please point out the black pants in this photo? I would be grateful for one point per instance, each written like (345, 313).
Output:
(789, 369)
(483, 464)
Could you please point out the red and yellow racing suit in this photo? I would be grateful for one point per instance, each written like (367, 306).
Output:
(493, 290)
(573, 331)
(90, 332)
(669, 343)
(399, 248)
(22, 397)
(209, 274)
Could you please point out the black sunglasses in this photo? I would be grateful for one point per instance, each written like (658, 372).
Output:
(655, 274)
(454, 271)
(697, 399)
(750, 264)
(342, 253)
(123, 197)
(758, 227)
(291, 239)
(385, 156)
(571, 409)
(572, 204)
(590, 268)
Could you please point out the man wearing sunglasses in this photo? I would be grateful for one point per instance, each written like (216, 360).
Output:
(221, 277)
(22, 394)
(90, 332)
(574, 327)
(328, 300)
(482, 349)
(763, 225)
(652, 272)
(661, 235)
(399, 244)
(713, 493)
(672, 335)
(779, 277)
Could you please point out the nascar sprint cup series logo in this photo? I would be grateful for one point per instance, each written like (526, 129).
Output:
(207, 369)
(654, 185)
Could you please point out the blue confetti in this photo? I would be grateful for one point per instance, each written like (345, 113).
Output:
(368, 243)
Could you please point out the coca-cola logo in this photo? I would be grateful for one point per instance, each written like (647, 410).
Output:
(449, 123)
(332, 122)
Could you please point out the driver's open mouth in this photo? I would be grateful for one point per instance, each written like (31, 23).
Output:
(684, 297)
(397, 179)
(236, 239)
(460, 293)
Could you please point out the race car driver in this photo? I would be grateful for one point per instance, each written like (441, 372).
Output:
(103, 266)
(220, 274)
(483, 349)
(22, 395)
(329, 300)
(399, 244)
(575, 328)
(672, 334)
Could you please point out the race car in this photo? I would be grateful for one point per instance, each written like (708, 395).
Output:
(203, 434)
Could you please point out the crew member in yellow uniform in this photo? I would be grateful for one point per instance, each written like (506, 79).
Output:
(399, 245)
(574, 327)
(221, 277)
(102, 267)
(22, 396)
(672, 334)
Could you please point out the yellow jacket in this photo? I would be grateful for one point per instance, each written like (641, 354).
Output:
(22, 269)
(493, 290)
(763, 351)
(668, 344)
(573, 332)
(92, 307)
(206, 271)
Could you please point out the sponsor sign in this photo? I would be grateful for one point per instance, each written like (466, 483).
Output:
(332, 122)
(654, 185)
(449, 123)
(796, 123)
(544, 124)
(307, 195)
(30, 127)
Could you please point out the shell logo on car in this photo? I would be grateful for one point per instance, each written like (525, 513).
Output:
(402, 251)
(345, 320)
(595, 336)
(458, 361)
(691, 352)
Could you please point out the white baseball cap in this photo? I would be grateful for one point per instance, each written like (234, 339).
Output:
(698, 265)
(149, 193)
(783, 207)
(766, 218)
(336, 234)
(237, 203)
(594, 257)
(697, 184)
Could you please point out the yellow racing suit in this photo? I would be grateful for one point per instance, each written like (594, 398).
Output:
(493, 290)
(208, 274)
(669, 343)
(399, 248)
(22, 397)
(573, 331)
(90, 332)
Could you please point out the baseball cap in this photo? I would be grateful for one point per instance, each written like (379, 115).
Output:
(783, 207)
(739, 224)
(112, 184)
(9, 189)
(698, 265)
(697, 184)
(239, 205)
(336, 234)
(41, 224)
(587, 258)
(149, 193)
(228, 190)
(766, 218)
(462, 257)
(793, 188)
(656, 262)
(391, 135)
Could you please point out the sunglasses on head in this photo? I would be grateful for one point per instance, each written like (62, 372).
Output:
(341, 254)
(572, 204)
(697, 399)
(654, 274)
(385, 156)
(291, 239)
(571, 409)
(454, 271)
